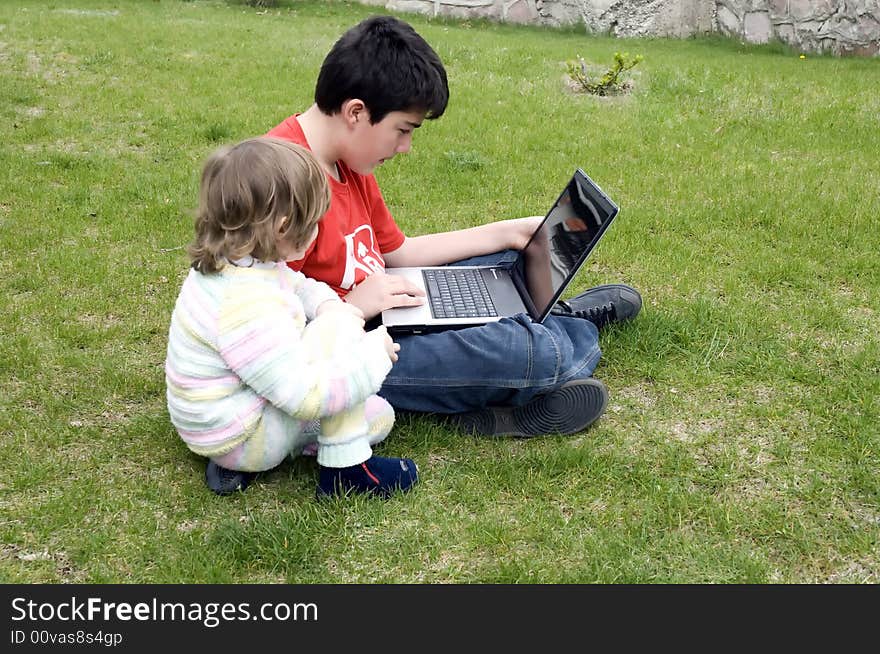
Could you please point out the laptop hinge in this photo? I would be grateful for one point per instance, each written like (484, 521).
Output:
(519, 282)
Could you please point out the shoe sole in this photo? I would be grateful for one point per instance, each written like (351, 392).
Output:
(569, 409)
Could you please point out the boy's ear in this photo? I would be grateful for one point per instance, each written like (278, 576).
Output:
(354, 110)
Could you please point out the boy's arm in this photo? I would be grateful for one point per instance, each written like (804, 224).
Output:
(446, 247)
(380, 291)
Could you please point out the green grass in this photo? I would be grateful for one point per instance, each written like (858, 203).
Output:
(741, 440)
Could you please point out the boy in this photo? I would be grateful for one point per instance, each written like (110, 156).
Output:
(379, 82)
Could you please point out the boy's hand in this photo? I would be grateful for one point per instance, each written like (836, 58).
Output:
(521, 230)
(380, 291)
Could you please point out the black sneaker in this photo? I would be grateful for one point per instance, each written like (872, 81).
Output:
(568, 409)
(225, 482)
(602, 305)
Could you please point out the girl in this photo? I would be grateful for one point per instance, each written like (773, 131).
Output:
(263, 361)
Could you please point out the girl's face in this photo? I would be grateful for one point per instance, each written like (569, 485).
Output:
(288, 252)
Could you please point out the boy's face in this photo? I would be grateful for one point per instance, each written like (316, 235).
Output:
(372, 145)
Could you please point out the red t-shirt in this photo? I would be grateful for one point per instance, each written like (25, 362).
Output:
(354, 232)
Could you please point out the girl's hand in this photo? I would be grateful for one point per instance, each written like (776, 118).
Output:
(391, 348)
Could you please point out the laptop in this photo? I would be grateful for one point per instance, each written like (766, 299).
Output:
(465, 296)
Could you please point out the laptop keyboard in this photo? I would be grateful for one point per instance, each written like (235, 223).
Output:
(458, 293)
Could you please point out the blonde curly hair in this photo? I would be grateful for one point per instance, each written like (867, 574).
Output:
(253, 195)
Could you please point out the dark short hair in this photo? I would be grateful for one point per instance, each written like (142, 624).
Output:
(384, 62)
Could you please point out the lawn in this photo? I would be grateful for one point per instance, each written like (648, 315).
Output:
(741, 442)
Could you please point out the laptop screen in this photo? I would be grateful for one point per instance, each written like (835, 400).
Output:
(556, 251)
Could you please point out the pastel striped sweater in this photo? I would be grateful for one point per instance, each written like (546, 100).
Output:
(235, 343)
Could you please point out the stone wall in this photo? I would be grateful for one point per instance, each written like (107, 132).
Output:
(839, 26)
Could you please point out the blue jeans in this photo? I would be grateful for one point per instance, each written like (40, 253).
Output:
(501, 363)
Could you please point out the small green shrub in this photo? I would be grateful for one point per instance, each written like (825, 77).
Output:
(610, 83)
(466, 160)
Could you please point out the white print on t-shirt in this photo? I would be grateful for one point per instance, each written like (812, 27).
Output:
(362, 254)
